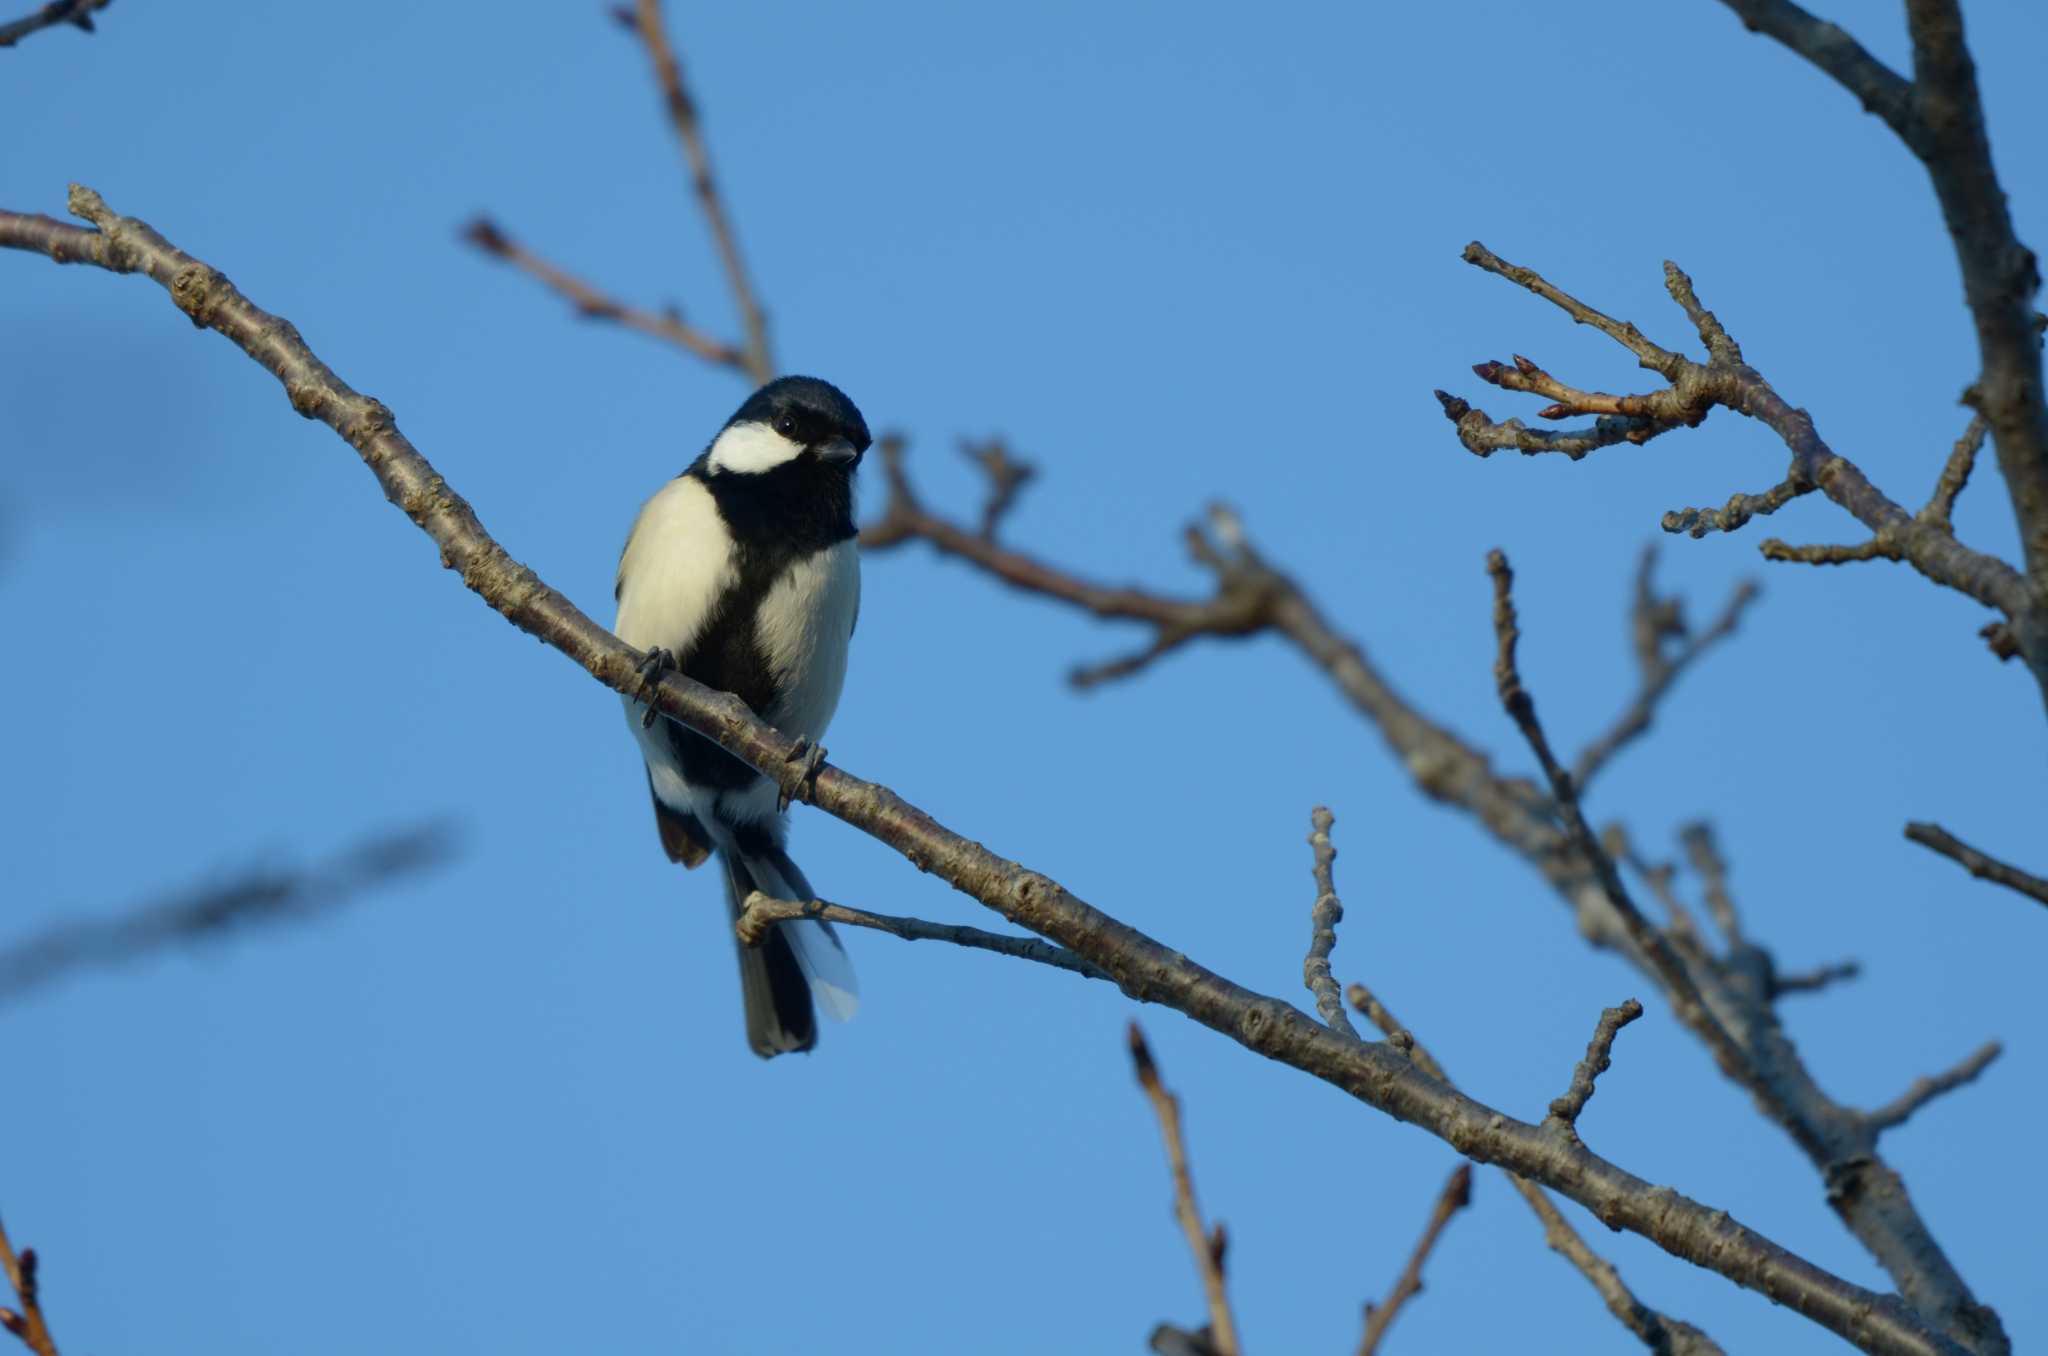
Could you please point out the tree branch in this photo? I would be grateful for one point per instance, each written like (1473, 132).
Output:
(1141, 966)
(28, 1323)
(77, 13)
(1662, 1334)
(1925, 1090)
(762, 911)
(1327, 912)
(592, 304)
(1566, 1109)
(1978, 864)
(205, 913)
(1207, 1248)
(1456, 1195)
(647, 22)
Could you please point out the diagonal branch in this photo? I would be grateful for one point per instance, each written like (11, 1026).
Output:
(1978, 864)
(209, 912)
(762, 911)
(1456, 1195)
(1207, 1247)
(27, 1323)
(77, 13)
(1142, 967)
(1925, 1090)
(646, 21)
(594, 305)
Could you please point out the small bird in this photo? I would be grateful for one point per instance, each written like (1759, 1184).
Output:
(743, 573)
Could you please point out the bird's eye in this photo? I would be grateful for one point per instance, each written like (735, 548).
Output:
(785, 424)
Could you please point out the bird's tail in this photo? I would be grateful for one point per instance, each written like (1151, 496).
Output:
(795, 962)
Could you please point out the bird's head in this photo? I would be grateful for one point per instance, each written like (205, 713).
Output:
(793, 425)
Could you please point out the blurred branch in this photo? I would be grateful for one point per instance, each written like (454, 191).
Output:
(1327, 912)
(763, 911)
(205, 913)
(27, 1323)
(646, 20)
(1978, 864)
(1925, 1090)
(77, 13)
(1926, 541)
(1142, 967)
(1655, 622)
(1208, 1248)
(594, 305)
(1662, 1334)
(1456, 1195)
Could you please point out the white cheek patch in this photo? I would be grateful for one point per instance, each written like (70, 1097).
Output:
(751, 448)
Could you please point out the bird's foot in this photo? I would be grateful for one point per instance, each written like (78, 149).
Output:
(656, 663)
(806, 758)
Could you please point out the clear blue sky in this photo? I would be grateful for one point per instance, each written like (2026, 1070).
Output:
(1174, 253)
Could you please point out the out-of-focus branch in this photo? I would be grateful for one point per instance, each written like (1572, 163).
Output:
(27, 1322)
(1207, 1247)
(77, 13)
(764, 910)
(1655, 622)
(1816, 979)
(1978, 864)
(592, 304)
(1141, 966)
(1324, 915)
(205, 913)
(646, 20)
(1926, 541)
(1662, 1334)
(1925, 1090)
(1456, 1195)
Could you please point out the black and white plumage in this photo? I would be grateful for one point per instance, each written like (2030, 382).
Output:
(744, 569)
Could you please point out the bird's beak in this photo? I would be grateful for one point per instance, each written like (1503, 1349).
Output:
(837, 452)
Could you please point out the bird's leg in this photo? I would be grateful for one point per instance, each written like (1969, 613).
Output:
(807, 758)
(657, 662)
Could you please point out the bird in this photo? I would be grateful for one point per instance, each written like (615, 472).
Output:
(743, 573)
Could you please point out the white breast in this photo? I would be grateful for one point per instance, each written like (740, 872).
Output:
(678, 560)
(803, 627)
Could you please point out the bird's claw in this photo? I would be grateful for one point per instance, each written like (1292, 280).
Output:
(656, 662)
(807, 758)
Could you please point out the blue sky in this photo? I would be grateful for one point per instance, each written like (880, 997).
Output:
(1173, 254)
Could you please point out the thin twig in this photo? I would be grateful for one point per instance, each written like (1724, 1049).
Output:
(1456, 1195)
(1978, 864)
(27, 1323)
(1327, 912)
(592, 304)
(1662, 1334)
(1704, 853)
(682, 115)
(762, 911)
(77, 13)
(1007, 477)
(209, 912)
(1146, 970)
(1816, 979)
(1207, 1248)
(1565, 1110)
(1925, 1090)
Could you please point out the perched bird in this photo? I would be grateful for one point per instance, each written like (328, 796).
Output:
(743, 573)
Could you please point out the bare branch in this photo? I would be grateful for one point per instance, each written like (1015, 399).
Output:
(646, 20)
(1327, 912)
(1662, 1334)
(1007, 477)
(592, 304)
(27, 1323)
(1142, 967)
(1879, 88)
(209, 912)
(1978, 864)
(1565, 1110)
(1955, 474)
(1483, 437)
(1712, 868)
(1925, 1090)
(1740, 508)
(1456, 1195)
(762, 911)
(1654, 621)
(1207, 1248)
(77, 13)
(1813, 981)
